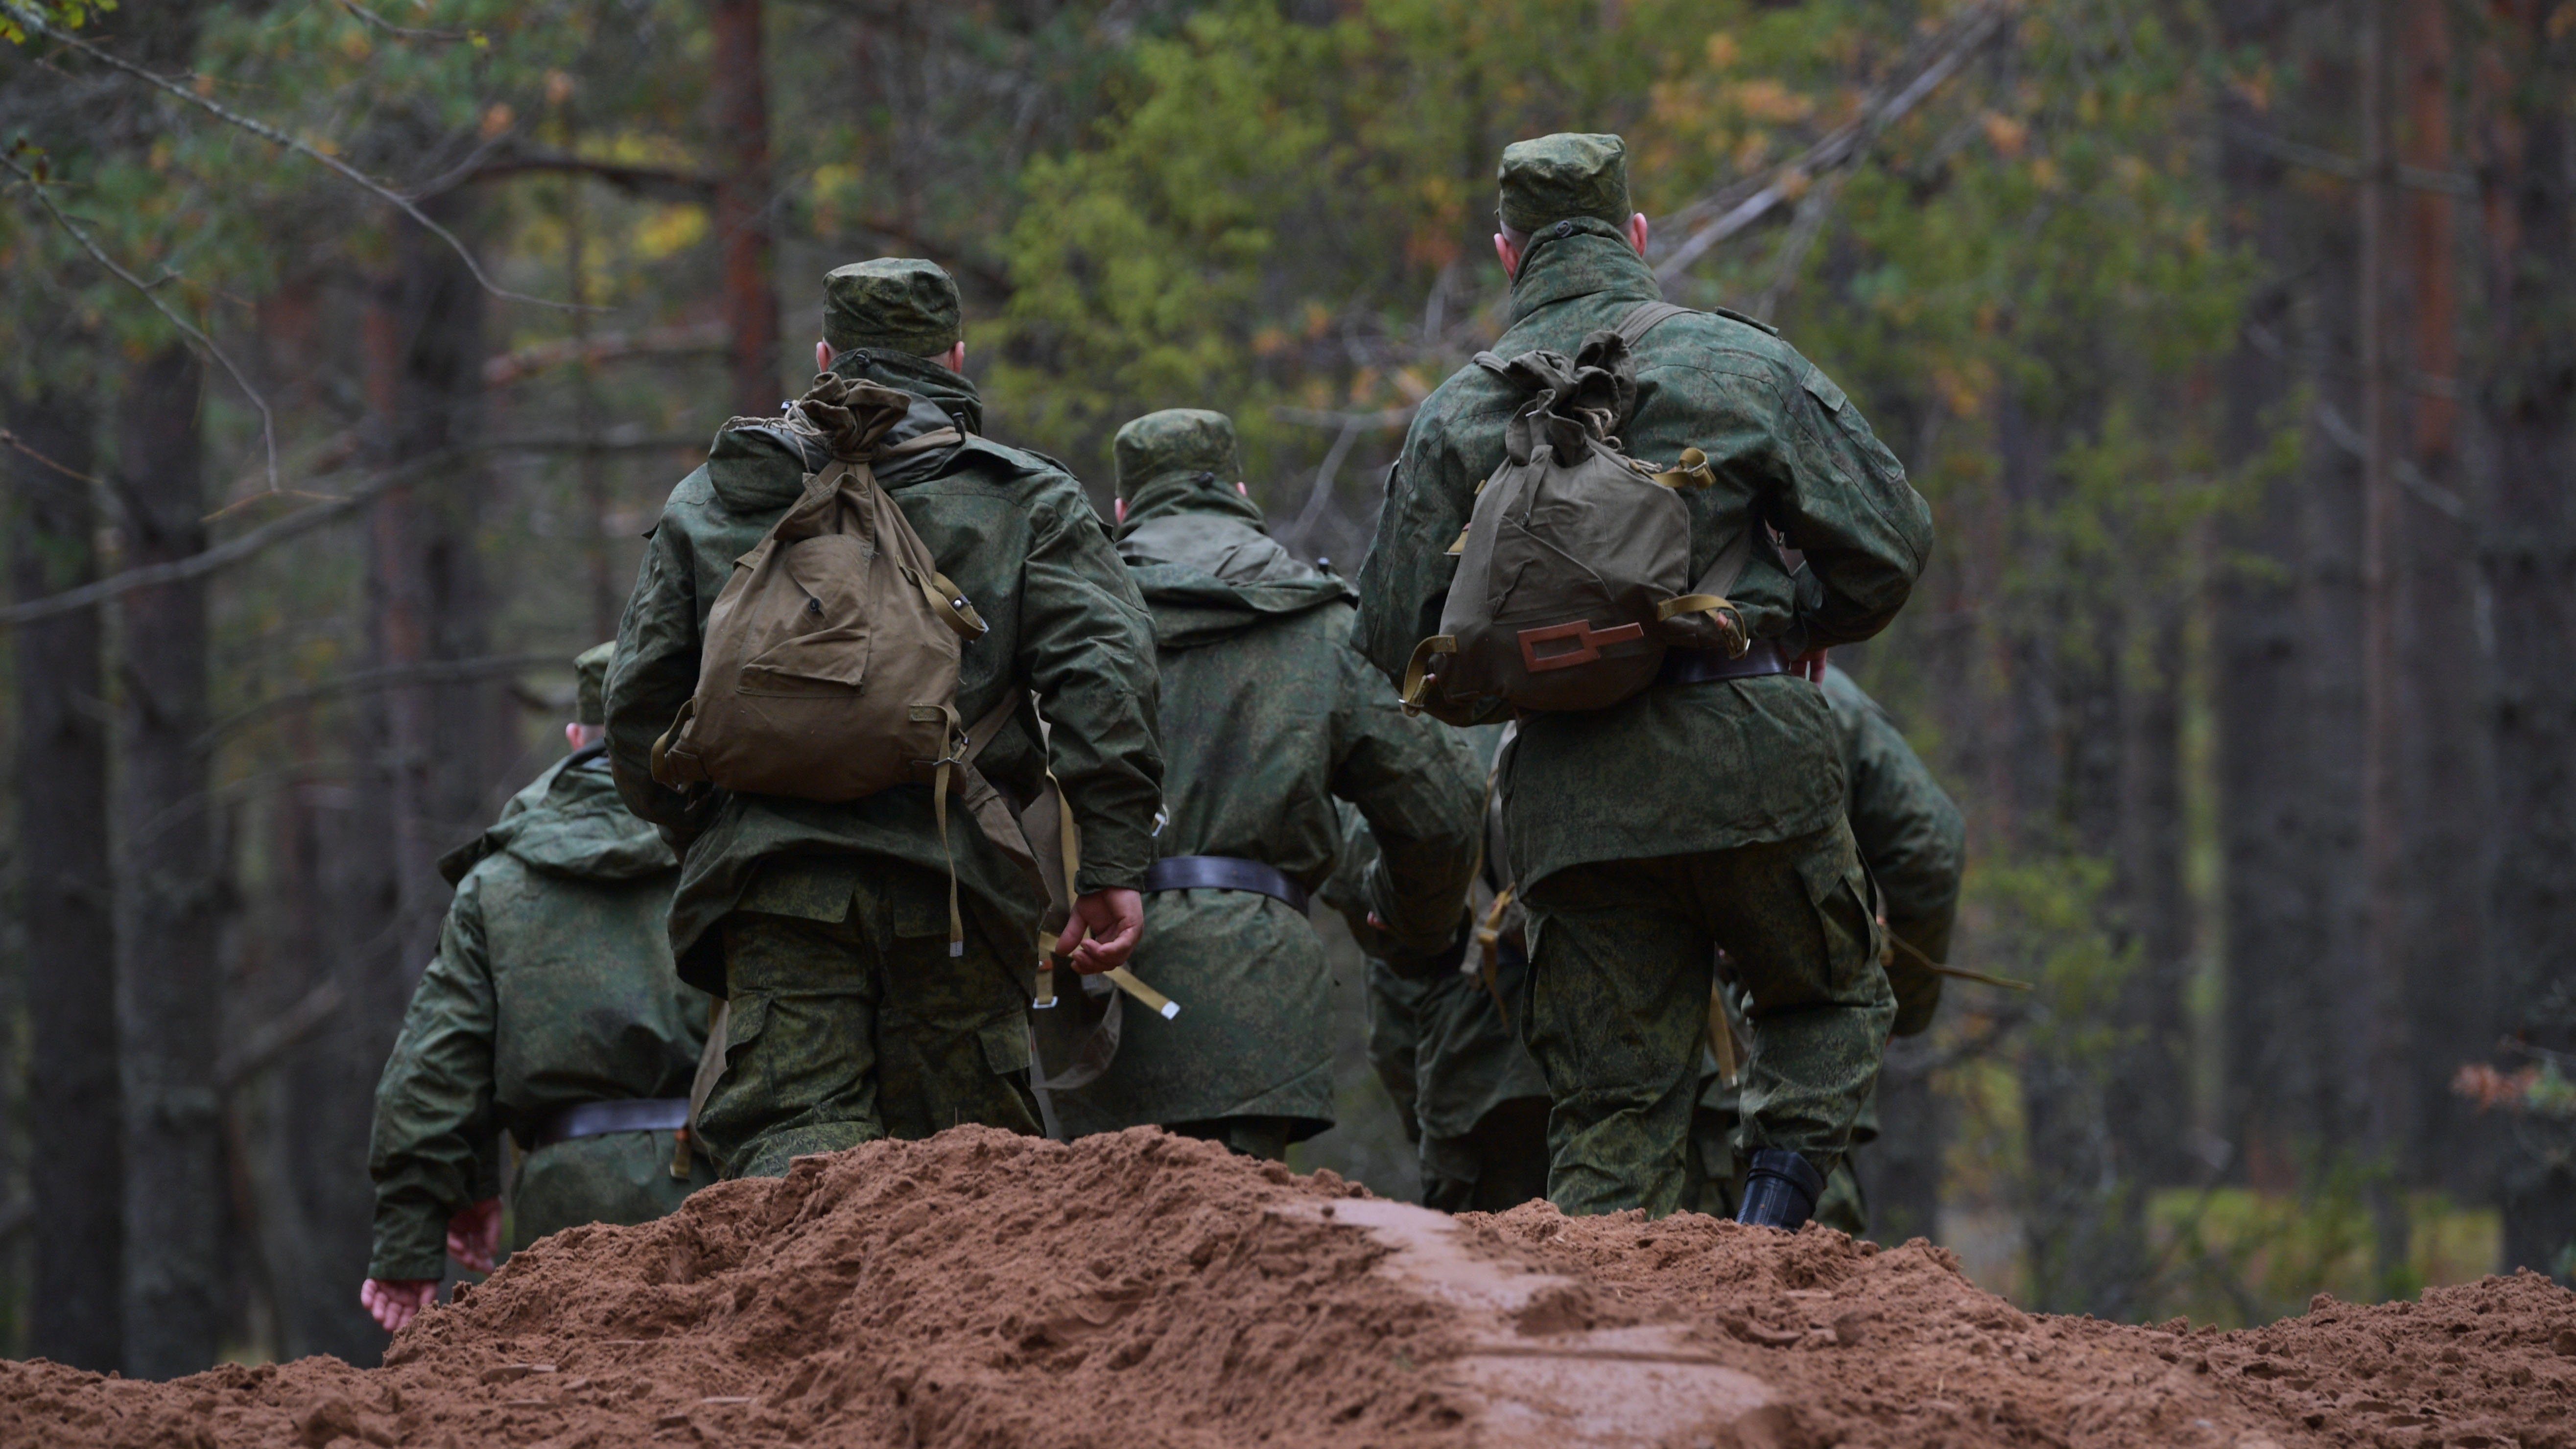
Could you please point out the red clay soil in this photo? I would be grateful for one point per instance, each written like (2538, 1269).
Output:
(1140, 1290)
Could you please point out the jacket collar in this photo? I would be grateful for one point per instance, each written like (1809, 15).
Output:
(1590, 256)
(920, 376)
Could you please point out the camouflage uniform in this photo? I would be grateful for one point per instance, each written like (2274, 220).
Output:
(552, 987)
(1267, 719)
(1915, 844)
(826, 922)
(1691, 815)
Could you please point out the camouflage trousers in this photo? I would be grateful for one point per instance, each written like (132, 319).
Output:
(615, 1177)
(1616, 1009)
(1498, 1165)
(852, 1022)
(1716, 1184)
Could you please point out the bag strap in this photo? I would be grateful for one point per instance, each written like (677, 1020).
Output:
(1645, 317)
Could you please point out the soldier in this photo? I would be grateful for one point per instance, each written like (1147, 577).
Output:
(1480, 1097)
(1706, 810)
(1267, 717)
(826, 923)
(549, 1013)
(1915, 844)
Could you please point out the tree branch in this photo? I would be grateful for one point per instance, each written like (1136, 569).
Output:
(510, 367)
(280, 1034)
(367, 681)
(1843, 147)
(36, 186)
(37, 24)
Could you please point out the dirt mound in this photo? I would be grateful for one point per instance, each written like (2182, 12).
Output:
(981, 1289)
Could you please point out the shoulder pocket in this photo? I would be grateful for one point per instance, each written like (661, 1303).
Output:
(1822, 389)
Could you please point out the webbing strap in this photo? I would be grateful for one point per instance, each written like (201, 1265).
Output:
(936, 438)
(1417, 670)
(1645, 318)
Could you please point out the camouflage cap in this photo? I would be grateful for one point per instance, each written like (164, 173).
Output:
(903, 304)
(590, 695)
(1175, 440)
(1564, 175)
(1180, 460)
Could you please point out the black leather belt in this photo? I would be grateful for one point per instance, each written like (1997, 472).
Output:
(1694, 666)
(598, 1119)
(1224, 873)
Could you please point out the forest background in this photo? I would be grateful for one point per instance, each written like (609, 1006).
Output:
(349, 350)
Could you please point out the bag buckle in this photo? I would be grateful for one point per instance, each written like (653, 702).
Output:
(1587, 646)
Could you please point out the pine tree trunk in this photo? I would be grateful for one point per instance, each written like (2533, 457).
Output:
(74, 1101)
(743, 205)
(167, 984)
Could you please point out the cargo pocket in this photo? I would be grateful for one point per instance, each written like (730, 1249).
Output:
(1838, 888)
(1006, 1046)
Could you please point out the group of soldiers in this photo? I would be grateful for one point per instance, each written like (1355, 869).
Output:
(1647, 956)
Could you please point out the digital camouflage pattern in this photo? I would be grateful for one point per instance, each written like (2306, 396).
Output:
(1268, 718)
(852, 1025)
(1913, 840)
(1016, 534)
(1560, 176)
(590, 683)
(902, 303)
(552, 987)
(1647, 833)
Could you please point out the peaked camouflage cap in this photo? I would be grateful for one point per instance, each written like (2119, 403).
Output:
(1176, 440)
(590, 695)
(1567, 174)
(903, 304)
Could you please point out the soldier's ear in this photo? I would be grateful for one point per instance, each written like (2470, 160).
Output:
(1637, 232)
(822, 357)
(1509, 254)
(956, 358)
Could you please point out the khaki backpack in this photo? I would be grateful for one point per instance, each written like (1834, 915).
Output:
(1574, 569)
(829, 666)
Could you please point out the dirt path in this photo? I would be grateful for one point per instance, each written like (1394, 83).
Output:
(1139, 1290)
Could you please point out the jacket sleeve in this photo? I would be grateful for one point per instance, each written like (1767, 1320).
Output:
(1417, 783)
(1087, 652)
(1841, 497)
(432, 1148)
(653, 674)
(1912, 836)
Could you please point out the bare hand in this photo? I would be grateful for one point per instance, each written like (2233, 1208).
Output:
(1809, 666)
(1103, 931)
(396, 1303)
(474, 1235)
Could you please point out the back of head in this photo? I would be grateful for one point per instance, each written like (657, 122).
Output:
(899, 304)
(1559, 177)
(1180, 460)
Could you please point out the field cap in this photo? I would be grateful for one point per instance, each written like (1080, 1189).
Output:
(1564, 175)
(590, 698)
(901, 304)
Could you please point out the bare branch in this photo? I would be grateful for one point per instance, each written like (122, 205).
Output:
(266, 132)
(510, 367)
(2317, 158)
(267, 422)
(264, 1044)
(405, 31)
(367, 681)
(1849, 144)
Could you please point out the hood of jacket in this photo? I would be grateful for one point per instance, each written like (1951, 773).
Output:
(759, 465)
(569, 822)
(1210, 576)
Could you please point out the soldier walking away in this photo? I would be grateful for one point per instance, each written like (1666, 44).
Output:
(551, 1014)
(1267, 719)
(1704, 810)
(827, 924)
(1914, 842)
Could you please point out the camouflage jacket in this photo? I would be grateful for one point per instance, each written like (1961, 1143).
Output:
(1016, 534)
(552, 987)
(1911, 837)
(1698, 767)
(1267, 719)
